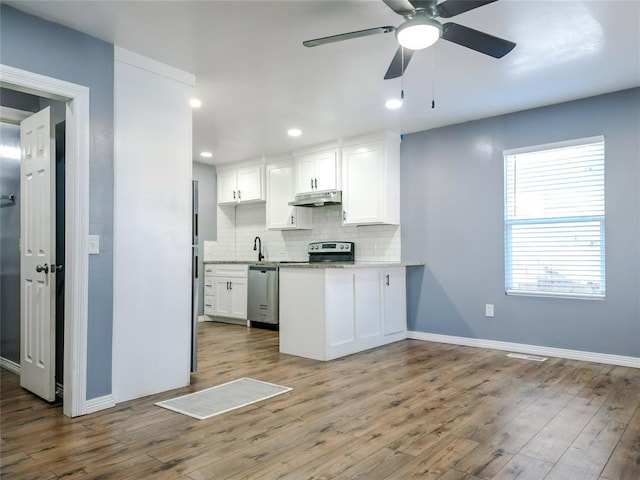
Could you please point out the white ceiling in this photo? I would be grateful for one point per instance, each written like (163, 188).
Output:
(256, 80)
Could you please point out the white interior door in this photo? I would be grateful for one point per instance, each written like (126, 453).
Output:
(37, 257)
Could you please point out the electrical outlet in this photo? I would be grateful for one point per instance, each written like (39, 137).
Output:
(488, 310)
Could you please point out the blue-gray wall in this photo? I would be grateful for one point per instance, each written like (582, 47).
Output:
(206, 177)
(33, 44)
(452, 218)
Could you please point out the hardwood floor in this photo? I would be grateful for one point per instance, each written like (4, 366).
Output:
(410, 410)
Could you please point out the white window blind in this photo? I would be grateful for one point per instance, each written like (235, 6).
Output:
(554, 220)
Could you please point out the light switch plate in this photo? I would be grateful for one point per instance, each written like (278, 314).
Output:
(94, 244)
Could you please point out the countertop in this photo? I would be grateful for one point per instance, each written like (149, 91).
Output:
(302, 264)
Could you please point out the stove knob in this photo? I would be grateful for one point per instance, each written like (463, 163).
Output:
(341, 247)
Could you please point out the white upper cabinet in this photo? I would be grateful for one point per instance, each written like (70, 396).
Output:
(371, 180)
(241, 185)
(280, 191)
(317, 171)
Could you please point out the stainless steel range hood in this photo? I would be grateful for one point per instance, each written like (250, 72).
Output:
(317, 199)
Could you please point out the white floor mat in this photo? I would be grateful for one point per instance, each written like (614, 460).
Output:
(223, 398)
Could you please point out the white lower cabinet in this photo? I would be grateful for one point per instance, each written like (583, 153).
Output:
(209, 291)
(329, 313)
(225, 291)
(231, 297)
(394, 300)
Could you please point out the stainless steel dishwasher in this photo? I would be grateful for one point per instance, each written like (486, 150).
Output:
(262, 306)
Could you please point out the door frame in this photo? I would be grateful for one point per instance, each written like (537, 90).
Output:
(76, 98)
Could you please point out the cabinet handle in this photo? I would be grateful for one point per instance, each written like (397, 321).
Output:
(227, 285)
(312, 184)
(316, 182)
(387, 279)
(234, 194)
(230, 285)
(344, 215)
(239, 195)
(291, 219)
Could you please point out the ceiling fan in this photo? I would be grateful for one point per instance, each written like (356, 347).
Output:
(421, 30)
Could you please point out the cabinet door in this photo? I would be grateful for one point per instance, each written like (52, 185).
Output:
(339, 316)
(222, 304)
(238, 298)
(394, 300)
(250, 184)
(326, 177)
(305, 173)
(280, 191)
(227, 187)
(367, 303)
(363, 180)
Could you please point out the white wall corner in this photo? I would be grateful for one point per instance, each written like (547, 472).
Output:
(134, 59)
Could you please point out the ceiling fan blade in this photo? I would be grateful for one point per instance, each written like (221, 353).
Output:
(475, 40)
(346, 36)
(451, 8)
(401, 7)
(397, 69)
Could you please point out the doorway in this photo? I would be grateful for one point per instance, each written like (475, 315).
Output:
(15, 107)
(76, 179)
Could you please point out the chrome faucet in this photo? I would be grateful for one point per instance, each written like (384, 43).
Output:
(258, 247)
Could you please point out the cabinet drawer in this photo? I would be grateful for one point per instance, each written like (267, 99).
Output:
(209, 288)
(230, 270)
(209, 305)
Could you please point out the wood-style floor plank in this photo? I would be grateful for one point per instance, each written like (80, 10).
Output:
(410, 410)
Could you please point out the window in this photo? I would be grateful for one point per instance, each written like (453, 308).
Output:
(554, 220)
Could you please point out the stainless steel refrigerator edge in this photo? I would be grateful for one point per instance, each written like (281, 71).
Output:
(194, 276)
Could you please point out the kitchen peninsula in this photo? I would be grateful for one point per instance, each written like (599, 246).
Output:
(331, 310)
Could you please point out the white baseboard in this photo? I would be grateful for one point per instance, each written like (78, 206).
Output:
(10, 365)
(202, 318)
(531, 349)
(90, 406)
(97, 404)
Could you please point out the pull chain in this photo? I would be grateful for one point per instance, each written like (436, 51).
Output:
(402, 77)
(433, 77)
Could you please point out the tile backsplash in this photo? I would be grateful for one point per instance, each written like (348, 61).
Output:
(238, 226)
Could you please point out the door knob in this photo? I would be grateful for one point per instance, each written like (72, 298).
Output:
(56, 268)
(42, 268)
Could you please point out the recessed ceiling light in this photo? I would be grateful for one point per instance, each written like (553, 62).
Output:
(393, 103)
(206, 154)
(195, 103)
(294, 132)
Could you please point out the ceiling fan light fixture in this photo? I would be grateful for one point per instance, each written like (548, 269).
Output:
(419, 32)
